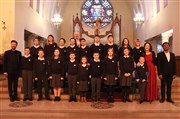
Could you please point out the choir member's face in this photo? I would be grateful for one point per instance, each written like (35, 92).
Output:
(13, 46)
(50, 39)
(72, 42)
(96, 39)
(83, 42)
(141, 60)
(147, 47)
(41, 54)
(84, 60)
(166, 47)
(72, 56)
(126, 52)
(26, 51)
(126, 42)
(76, 35)
(56, 53)
(36, 42)
(96, 56)
(61, 43)
(137, 43)
(110, 52)
(110, 40)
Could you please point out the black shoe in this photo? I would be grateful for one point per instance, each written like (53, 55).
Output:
(48, 98)
(55, 99)
(16, 99)
(161, 101)
(74, 99)
(151, 101)
(171, 101)
(58, 99)
(128, 100)
(124, 100)
(93, 100)
(25, 99)
(141, 101)
(98, 100)
(39, 99)
(70, 99)
(109, 100)
(12, 99)
(30, 99)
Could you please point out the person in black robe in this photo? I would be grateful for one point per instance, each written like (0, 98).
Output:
(11, 69)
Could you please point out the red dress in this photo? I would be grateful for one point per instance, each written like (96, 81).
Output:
(151, 87)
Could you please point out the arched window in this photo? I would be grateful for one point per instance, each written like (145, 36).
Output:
(93, 10)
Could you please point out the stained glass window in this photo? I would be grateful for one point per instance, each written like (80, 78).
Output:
(93, 10)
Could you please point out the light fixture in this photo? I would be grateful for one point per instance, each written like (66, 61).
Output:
(56, 19)
(139, 18)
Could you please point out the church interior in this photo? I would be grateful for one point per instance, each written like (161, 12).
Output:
(153, 21)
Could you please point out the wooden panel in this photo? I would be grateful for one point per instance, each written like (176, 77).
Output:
(1, 59)
(178, 65)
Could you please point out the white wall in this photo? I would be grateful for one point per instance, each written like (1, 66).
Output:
(168, 18)
(7, 16)
(73, 7)
(27, 18)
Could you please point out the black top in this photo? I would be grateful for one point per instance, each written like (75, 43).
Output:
(56, 67)
(96, 69)
(27, 63)
(126, 65)
(120, 54)
(141, 72)
(84, 52)
(115, 48)
(12, 61)
(39, 67)
(164, 67)
(63, 54)
(34, 51)
(83, 73)
(49, 49)
(72, 67)
(72, 49)
(110, 66)
(99, 49)
(136, 53)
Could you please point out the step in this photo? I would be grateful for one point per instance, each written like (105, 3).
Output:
(175, 96)
(5, 89)
(35, 96)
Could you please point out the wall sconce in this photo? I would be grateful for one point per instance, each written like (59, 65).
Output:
(4, 25)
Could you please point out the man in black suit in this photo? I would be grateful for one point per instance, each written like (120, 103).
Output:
(166, 70)
(11, 66)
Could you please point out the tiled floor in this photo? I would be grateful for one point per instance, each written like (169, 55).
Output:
(65, 110)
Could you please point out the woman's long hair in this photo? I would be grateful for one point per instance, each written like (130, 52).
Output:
(47, 41)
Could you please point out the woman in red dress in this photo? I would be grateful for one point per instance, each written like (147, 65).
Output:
(151, 87)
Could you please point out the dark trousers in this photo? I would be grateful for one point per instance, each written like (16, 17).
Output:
(27, 83)
(72, 85)
(96, 88)
(35, 84)
(142, 87)
(12, 84)
(50, 87)
(83, 93)
(110, 90)
(167, 80)
(42, 80)
(125, 92)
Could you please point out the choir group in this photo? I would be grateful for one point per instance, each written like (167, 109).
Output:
(87, 67)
